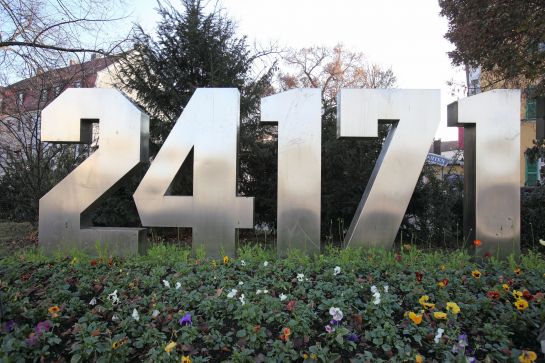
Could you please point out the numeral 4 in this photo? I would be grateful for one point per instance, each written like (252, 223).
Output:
(209, 124)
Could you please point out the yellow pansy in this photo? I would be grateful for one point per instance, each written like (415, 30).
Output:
(517, 294)
(521, 304)
(416, 318)
(453, 307)
(170, 347)
(439, 315)
(527, 356)
(424, 302)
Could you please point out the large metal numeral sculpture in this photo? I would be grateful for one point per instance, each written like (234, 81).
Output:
(491, 122)
(299, 167)
(209, 124)
(64, 220)
(415, 116)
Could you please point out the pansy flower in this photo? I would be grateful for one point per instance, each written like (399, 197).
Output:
(424, 302)
(415, 318)
(521, 304)
(453, 307)
(438, 336)
(285, 335)
(527, 356)
(494, 295)
(185, 320)
(54, 311)
(170, 347)
(336, 313)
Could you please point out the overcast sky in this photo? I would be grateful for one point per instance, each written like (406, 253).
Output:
(407, 36)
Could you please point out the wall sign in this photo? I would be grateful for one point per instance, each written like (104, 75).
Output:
(209, 125)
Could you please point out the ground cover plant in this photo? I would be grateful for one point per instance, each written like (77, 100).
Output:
(344, 305)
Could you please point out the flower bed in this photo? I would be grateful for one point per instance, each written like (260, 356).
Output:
(348, 304)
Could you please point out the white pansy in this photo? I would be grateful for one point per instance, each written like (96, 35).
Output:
(241, 299)
(386, 287)
(265, 291)
(240, 283)
(135, 315)
(336, 270)
(166, 283)
(282, 297)
(438, 335)
(178, 285)
(259, 291)
(113, 298)
(300, 277)
(155, 313)
(376, 295)
(242, 263)
(266, 263)
(93, 301)
(542, 242)
(232, 293)
(336, 313)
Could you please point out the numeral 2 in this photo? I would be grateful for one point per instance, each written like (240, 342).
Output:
(122, 145)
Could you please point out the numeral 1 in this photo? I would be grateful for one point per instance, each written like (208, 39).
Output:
(297, 112)
(491, 122)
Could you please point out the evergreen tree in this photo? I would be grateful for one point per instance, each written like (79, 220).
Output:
(194, 48)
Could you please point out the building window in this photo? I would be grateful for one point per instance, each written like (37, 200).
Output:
(77, 84)
(20, 98)
(43, 95)
(531, 108)
(531, 104)
(56, 90)
(531, 175)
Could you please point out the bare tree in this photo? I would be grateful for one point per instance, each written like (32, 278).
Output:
(45, 45)
(28, 167)
(332, 69)
(45, 34)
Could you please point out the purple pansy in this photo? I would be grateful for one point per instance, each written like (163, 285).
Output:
(10, 325)
(353, 337)
(43, 326)
(186, 320)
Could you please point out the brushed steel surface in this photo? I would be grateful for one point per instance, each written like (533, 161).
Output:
(414, 116)
(209, 124)
(298, 113)
(491, 122)
(123, 144)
